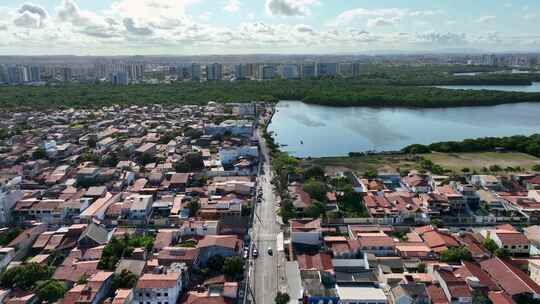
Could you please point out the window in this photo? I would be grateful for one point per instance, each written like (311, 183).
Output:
(158, 302)
(166, 294)
(159, 295)
(147, 294)
(513, 246)
(140, 294)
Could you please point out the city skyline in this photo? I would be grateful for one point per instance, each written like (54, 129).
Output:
(199, 27)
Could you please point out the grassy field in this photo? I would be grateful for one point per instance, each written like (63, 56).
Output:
(452, 161)
(362, 164)
(477, 161)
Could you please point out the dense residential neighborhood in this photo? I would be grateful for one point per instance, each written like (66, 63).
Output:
(197, 204)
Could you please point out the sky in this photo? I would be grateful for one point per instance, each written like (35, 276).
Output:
(204, 27)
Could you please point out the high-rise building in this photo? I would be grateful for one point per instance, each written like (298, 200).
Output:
(3, 74)
(356, 69)
(17, 74)
(214, 72)
(120, 78)
(240, 71)
(250, 70)
(196, 72)
(289, 71)
(66, 74)
(266, 72)
(35, 75)
(309, 70)
(327, 69)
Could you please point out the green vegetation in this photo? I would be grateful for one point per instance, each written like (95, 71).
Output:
(123, 248)
(378, 86)
(316, 189)
(188, 244)
(25, 276)
(215, 263)
(490, 245)
(9, 236)
(518, 143)
(282, 298)
(51, 291)
(123, 280)
(233, 268)
(456, 254)
(193, 206)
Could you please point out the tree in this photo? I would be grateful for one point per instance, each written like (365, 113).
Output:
(195, 161)
(495, 168)
(465, 170)
(481, 299)
(490, 245)
(316, 210)
(456, 254)
(216, 263)
(282, 298)
(92, 143)
(416, 149)
(316, 189)
(233, 268)
(25, 276)
(82, 279)
(421, 268)
(287, 210)
(502, 253)
(536, 168)
(437, 223)
(39, 153)
(51, 291)
(125, 280)
(193, 206)
(370, 174)
(314, 172)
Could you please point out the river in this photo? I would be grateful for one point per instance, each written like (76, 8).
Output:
(317, 131)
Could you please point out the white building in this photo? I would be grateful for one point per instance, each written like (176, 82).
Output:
(229, 155)
(361, 295)
(158, 288)
(9, 195)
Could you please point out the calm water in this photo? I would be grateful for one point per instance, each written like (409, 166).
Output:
(328, 131)
(534, 88)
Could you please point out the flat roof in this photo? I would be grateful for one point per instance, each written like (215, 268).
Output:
(364, 293)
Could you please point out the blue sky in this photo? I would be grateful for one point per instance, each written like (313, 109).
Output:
(186, 27)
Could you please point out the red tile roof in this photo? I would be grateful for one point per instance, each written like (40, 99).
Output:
(320, 261)
(150, 281)
(436, 295)
(511, 279)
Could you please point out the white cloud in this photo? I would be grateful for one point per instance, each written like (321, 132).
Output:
(232, 6)
(30, 16)
(129, 23)
(378, 22)
(289, 7)
(378, 17)
(486, 19)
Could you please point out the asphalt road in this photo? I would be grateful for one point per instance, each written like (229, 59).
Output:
(264, 279)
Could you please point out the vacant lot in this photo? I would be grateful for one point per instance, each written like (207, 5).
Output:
(362, 164)
(477, 161)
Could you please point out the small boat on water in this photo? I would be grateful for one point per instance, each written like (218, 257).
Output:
(301, 142)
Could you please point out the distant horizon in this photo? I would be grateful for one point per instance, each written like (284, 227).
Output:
(241, 27)
(366, 54)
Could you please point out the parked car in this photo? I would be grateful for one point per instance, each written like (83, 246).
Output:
(270, 252)
(255, 253)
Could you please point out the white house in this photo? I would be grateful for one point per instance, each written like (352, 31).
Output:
(158, 288)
